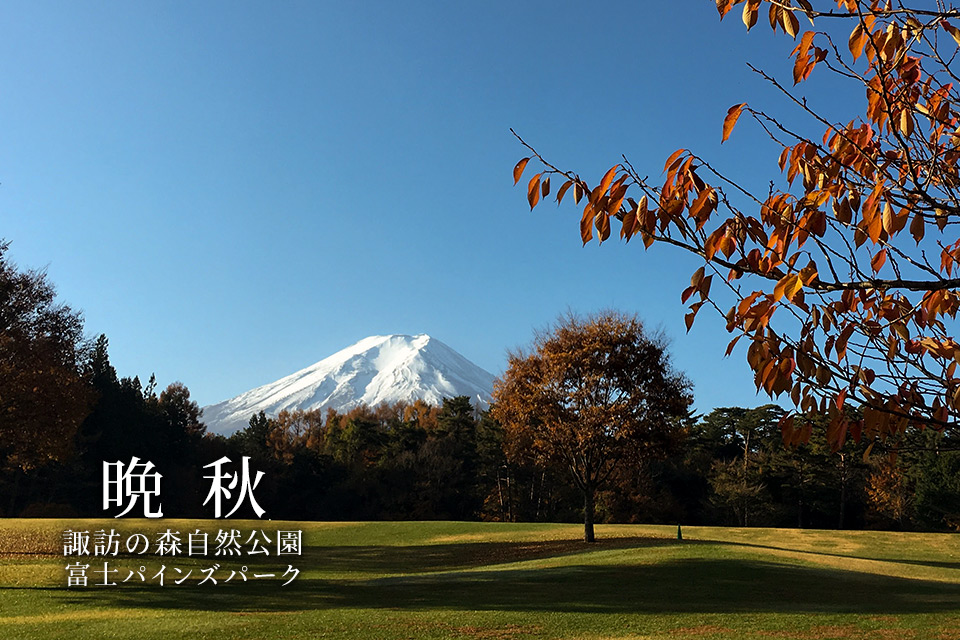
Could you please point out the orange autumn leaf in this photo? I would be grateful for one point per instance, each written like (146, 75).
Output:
(733, 114)
(788, 287)
(533, 191)
(518, 170)
(877, 262)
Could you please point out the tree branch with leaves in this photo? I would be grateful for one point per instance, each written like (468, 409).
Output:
(840, 280)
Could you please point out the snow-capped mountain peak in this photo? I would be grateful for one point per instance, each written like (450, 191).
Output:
(375, 370)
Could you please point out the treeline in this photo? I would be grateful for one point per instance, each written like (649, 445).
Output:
(423, 462)
(735, 470)
(64, 411)
(120, 419)
(418, 461)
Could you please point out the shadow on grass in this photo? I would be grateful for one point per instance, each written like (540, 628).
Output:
(668, 586)
(934, 564)
(449, 557)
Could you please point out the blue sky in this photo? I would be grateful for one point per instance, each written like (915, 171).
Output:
(232, 191)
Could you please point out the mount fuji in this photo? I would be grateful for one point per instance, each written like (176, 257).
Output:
(376, 370)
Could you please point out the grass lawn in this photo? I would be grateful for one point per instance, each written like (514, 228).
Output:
(396, 580)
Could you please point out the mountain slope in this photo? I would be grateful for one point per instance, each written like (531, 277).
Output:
(376, 370)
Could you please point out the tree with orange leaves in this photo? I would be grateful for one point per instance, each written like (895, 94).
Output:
(841, 279)
(593, 393)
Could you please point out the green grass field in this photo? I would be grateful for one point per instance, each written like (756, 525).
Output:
(500, 581)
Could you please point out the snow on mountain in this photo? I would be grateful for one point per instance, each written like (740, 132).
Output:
(376, 370)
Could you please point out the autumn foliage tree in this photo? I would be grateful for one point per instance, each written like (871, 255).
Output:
(841, 276)
(593, 393)
(43, 397)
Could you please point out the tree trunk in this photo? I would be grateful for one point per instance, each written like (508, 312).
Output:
(588, 514)
(800, 485)
(511, 513)
(543, 477)
(503, 510)
(843, 491)
(13, 492)
(746, 458)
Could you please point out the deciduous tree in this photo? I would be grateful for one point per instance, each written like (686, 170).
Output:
(591, 394)
(841, 276)
(43, 398)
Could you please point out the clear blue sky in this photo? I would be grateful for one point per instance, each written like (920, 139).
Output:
(232, 191)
